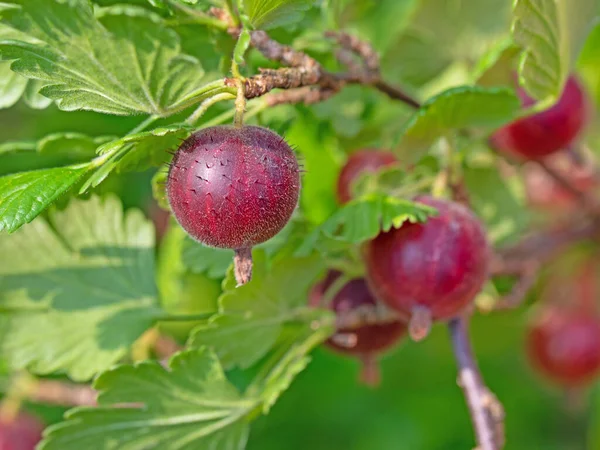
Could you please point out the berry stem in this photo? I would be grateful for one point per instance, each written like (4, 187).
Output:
(486, 414)
(256, 106)
(144, 124)
(370, 375)
(199, 112)
(240, 104)
(242, 266)
(420, 323)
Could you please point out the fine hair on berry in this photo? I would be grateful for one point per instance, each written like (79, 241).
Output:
(234, 187)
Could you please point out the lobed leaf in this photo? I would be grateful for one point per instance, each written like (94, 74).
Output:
(290, 355)
(64, 143)
(550, 33)
(138, 151)
(123, 62)
(77, 290)
(24, 195)
(364, 218)
(250, 317)
(190, 405)
(460, 107)
(494, 199)
(265, 14)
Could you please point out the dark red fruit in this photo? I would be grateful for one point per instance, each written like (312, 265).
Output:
(432, 270)
(20, 433)
(366, 341)
(363, 161)
(564, 345)
(549, 131)
(233, 187)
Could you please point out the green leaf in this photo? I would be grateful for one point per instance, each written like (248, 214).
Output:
(190, 405)
(12, 86)
(316, 147)
(181, 291)
(495, 67)
(124, 62)
(214, 262)
(395, 181)
(32, 95)
(159, 189)
(364, 218)
(148, 148)
(67, 143)
(441, 33)
(550, 33)
(24, 195)
(199, 258)
(289, 357)
(250, 317)
(588, 63)
(495, 200)
(460, 107)
(138, 151)
(78, 288)
(265, 14)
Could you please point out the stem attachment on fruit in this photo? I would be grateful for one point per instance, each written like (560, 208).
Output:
(370, 375)
(420, 322)
(242, 265)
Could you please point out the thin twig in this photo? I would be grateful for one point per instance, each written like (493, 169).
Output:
(483, 410)
(366, 315)
(302, 70)
(307, 95)
(396, 93)
(518, 293)
(284, 54)
(540, 247)
(207, 104)
(581, 197)
(363, 49)
(63, 394)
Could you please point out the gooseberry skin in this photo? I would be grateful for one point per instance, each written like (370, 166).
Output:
(362, 161)
(564, 345)
(539, 135)
(438, 266)
(368, 339)
(233, 187)
(23, 432)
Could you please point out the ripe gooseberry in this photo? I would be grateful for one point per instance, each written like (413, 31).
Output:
(366, 341)
(22, 432)
(234, 188)
(363, 161)
(546, 132)
(564, 345)
(429, 271)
